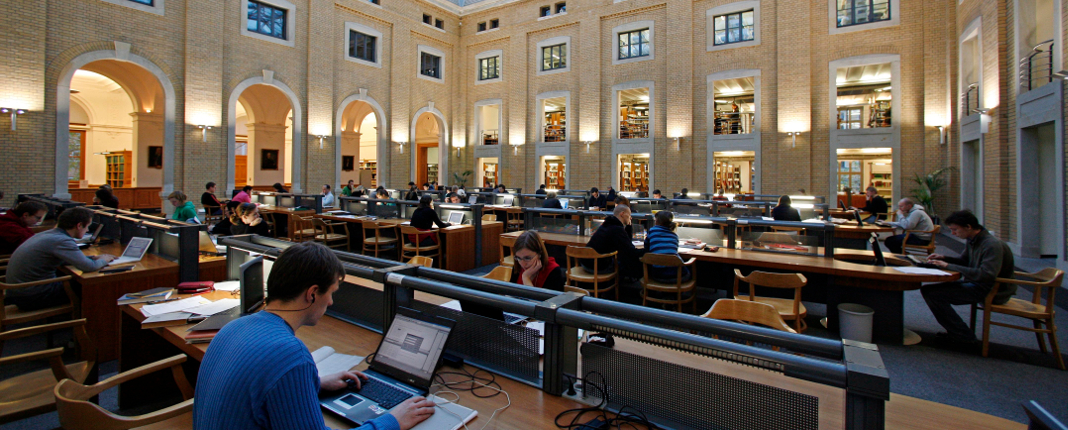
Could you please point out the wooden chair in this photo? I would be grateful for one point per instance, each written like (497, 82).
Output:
(304, 228)
(507, 242)
(748, 312)
(1046, 279)
(489, 217)
(11, 314)
(422, 261)
(515, 221)
(678, 288)
(927, 249)
(409, 249)
(31, 394)
(374, 240)
(790, 310)
(327, 234)
(268, 218)
(500, 273)
(576, 273)
(210, 217)
(77, 413)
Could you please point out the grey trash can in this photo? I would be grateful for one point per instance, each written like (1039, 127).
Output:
(854, 322)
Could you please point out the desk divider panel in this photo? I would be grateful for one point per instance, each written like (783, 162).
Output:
(55, 206)
(173, 240)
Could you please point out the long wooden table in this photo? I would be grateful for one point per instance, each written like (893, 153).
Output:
(843, 279)
(290, 215)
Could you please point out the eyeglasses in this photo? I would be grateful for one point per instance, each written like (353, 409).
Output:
(526, 259)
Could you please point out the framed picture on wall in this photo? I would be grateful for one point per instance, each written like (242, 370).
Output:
(348, 163)
(269, 159)
(155, 157)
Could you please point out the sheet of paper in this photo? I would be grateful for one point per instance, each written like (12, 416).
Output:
(173, 316)
(213, 308)
(332, 362)
(228, 286)
(175, 306)
(537, 325)
(454, 305)
(922, 271)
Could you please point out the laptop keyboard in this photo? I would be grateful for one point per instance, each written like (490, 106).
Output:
(387, 396)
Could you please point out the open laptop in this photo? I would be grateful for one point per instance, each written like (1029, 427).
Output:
(404, 367)
(207, 246)
(472, 199)
(563, 203)
(134, 252)
(507, 200)
(456, 218)
(86, 241)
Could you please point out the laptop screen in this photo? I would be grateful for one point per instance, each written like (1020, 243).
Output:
(137, 247)
(412, 347)
(472, 199)
(507, 200)
(456, 217)
(563, 203)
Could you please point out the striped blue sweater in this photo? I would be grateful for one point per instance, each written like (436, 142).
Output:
(257, 375)
(661, 240)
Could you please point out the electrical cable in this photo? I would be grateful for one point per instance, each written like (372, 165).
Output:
(474, 379)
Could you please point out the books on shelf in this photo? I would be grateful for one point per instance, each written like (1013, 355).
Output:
(152, 295)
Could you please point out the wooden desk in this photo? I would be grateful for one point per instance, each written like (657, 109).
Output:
(99, 291)
(291, 217)
(457, 241)
(850, 235)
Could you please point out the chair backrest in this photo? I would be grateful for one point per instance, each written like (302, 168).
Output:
(749, 312)
(76, 412)
(587, 252)
(4, 287)
(422, 260)
(670, 260)
(506, 242)
(407, 229)
(1048, 279)
(794, 281)
(500, 273)
(489, 217)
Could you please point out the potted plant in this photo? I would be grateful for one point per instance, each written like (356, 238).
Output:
(461, 179)
(926, 187)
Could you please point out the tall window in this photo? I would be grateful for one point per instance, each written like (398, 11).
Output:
(430, 65)
(849, 118)
(734, 28)
(854, 12)
(634, 44)
(554, 57)
(266, 19)
(489, 68)
(849, 175)
(362, 46)
(148, 2)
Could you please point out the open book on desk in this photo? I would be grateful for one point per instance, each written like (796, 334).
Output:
(329, 361)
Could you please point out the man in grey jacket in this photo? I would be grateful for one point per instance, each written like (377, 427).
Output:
(984, 259)
(911, 216)
(39, 257)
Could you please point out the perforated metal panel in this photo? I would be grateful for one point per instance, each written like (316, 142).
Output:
(359, 305)
(508, 349)
(680, 397)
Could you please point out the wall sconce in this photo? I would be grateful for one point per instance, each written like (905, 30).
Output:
(678, 142)
(515, 149)
(204, 132)
(458, 149)
(588, 142)
(794, 134)
(401, 144)
(321, 137)
(14, 116)
(981, 111)
(941, 134)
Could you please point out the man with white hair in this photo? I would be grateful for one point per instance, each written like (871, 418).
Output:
(911, 216)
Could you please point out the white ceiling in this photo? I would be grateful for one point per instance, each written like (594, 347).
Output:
(733, 87)
(863, 75)
(634, 94)
(85, 80)
(555, 104)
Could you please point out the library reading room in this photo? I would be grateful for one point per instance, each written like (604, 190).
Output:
(630, 214)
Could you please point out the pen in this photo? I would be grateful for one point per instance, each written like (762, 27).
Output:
(161, 301)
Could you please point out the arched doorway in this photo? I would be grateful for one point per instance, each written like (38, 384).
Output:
(429, 146)
(114, 125)
(358, 149)
(264, 122)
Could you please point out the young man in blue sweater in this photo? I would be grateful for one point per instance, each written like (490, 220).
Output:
(256, 374)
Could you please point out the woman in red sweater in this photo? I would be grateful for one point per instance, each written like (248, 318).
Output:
(535, 267)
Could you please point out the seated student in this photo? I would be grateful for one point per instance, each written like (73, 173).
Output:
(245, 195)
(452, 198)
(621, 200)
(359, 191)
(460, 191)
(104, 197)
(985, 258)
(348, 189)
(246, 220)
(662, 239)
(684, 194)
(613, 235)
(413, 193)
(183, 209)
(39, 257)
(278, 188)
(596, 200)
(657, 194)
(536, 267)
(328, 197)
(209, 199)
(426, 186)
(15, 225)
(641, 194)
(541, 189)
(382, 194)
(258, 375)
(610, 196)
(785, 212)
(223, 227)
(911, 216)
(876, 204)
(500, 189)
(551, 202)
(425, 218)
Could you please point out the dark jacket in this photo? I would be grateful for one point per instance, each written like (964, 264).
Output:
(412, 195)
(222, 227)
(110, 201)
(610, 196)
(877, 205)
(426, 218)
(553, 203)
(540, 191)
(600, 201)
(209, 199)
(785, 213)
(261, 229)
(985, 258)
(613, 236)
(13, 232)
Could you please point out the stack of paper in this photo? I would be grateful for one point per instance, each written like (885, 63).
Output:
(921, 271)
(184, 311)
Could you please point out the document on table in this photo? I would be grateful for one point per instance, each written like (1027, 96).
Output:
(922, 271)
(230, 286)
(213, 307)
(328, 361)
(175, 306)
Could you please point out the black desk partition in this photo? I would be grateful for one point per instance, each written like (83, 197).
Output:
(173, 240)
(55, 206)
(358, 206)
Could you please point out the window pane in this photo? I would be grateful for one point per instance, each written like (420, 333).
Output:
(845, 4)
(635, 38)
(645, 49)
(747, 18)
(721, 23)
(721, 37)
(623, 51)
(563, 56)
(747, 33)
(645, 36)
(844, 18)
(733, 35)
(733, 21)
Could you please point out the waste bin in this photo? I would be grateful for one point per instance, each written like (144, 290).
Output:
(854, 322)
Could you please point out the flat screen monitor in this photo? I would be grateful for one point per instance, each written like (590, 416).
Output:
(507, 200)
(841, 204)
(856, 214)
(456, 218)
(253, 284)
(874, 241)
(472, 199)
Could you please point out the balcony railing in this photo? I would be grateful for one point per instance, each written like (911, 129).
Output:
(734, 123)
(555, 133)
(489, 137)
(969, 101)
(1036, 69)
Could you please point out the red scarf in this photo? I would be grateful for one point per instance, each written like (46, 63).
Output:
(542, 275)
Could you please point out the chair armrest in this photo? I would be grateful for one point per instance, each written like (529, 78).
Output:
(135, 373)
(160, 415)
(1020, 282)
(690, 261)
(35, 283)
(32, 356)
(38, 329)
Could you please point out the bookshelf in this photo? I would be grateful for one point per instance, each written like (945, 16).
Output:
(555, 175)
(489, 175)
(633, 175)
(881, 177)
(432, 172)
(634, 123)
(373, 167)
(879, 114)
(119, 171)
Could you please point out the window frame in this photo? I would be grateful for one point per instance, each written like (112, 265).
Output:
(871, 10)
(565, 40)
(157, 6)
(427, 19)
(545, 12)
(562, 57)
(832, 19)
(424, 49)
(495, 56)
(351, 27)
(629, 27)
(495, 23)
(618, 88)
(620, 38)
(561, 8)
(439, 23)
(741, 27)
(482, 26)
(478, 126)
(539, 109)
(290, 22)
(729, 9)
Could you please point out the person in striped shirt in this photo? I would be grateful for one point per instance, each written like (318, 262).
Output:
(662, 239)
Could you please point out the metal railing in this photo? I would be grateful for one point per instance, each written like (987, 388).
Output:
(970, 99)
(734, 123)
(1036, 69)
(490, 137)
